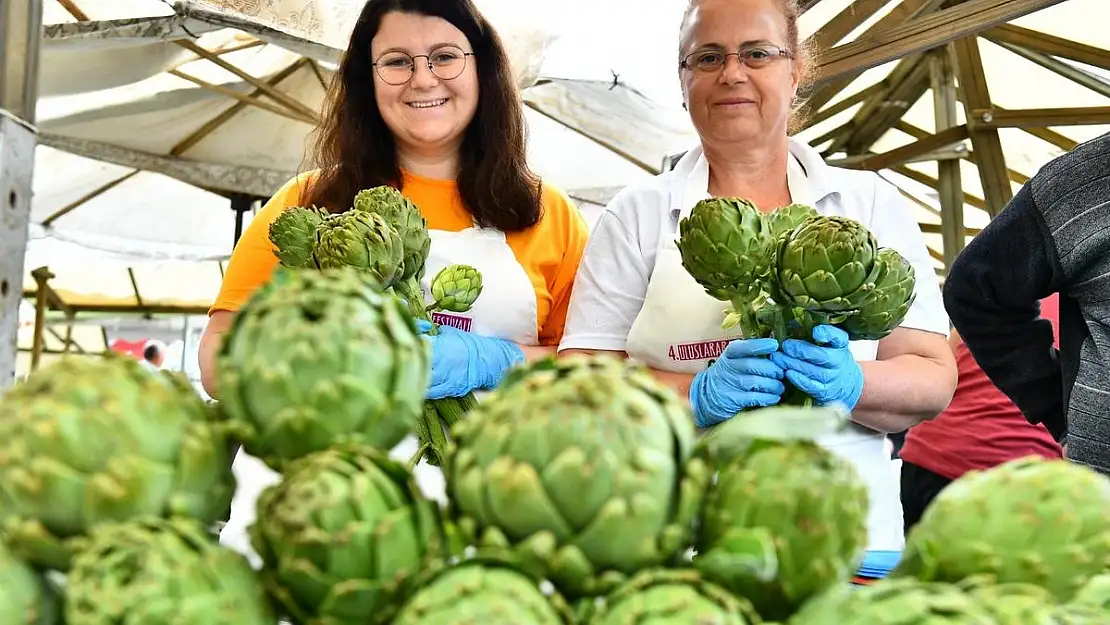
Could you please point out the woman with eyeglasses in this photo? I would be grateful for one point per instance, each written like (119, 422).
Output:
(425, 100)
(741, 64)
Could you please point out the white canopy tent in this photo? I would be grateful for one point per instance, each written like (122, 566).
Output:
(219, 94)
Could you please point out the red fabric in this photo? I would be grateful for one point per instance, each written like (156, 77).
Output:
(131, 348)
(981, 428)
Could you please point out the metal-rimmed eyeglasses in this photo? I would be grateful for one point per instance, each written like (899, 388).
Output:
(754, 57)
(445, 63)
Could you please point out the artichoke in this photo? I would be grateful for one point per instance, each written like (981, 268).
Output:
(455, 288)
(903, 601)
(343, 536)
(360, 240)
(293, 235)
(670, 596)
(1095, 593)
(1030, 520)
(727, 247)
(90, 440)
(893, 296)
(482, 592)
(404, 217)
(1015, 604)
(25, 597)
(161, 572)
(582, 468)
(786, 518)
(826, 265)
(784, 219)
(321, 357)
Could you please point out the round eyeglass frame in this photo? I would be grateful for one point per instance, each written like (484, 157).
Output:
(776, 53)
(427, 59)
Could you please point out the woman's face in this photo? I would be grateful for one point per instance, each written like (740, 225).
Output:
(427, 113)
(736, 103)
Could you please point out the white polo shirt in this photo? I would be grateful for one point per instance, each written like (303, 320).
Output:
(620, 256)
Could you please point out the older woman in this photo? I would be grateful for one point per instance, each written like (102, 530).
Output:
(741, 64)
(425, 100)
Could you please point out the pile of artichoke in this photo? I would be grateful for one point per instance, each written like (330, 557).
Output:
(789, 270)
(578, 491)
(384, 235)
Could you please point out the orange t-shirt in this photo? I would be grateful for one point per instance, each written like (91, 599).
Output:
(549, 252)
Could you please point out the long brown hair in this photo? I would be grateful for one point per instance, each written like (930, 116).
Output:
(355, 150)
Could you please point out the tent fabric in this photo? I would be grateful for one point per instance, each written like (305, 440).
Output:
(125, 91)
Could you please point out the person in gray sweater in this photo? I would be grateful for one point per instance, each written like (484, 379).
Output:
(1053, 237)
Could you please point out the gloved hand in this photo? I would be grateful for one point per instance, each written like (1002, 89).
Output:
(827, 372)
(463, 362)
(741, 378)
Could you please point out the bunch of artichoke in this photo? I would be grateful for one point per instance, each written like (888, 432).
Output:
(903, 601)
(482, 592)
(86, 441)
(344, 536)
(786, 519)
(159, 571)
(582, 468)
(25, 596)
(1029, 521)
(385, 235)
(318, 357)
(666, 597)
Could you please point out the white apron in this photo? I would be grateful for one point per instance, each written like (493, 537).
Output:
(679, 330)
(505, 309)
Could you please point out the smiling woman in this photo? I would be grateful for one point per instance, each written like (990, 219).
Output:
(741, 65)
(425, 101)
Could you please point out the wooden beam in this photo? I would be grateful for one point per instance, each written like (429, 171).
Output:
(942, 80)
(933, 183)
(843, 105)
(996, 117)
(1077, 75)
(818, 95)
(991, 162)
(908, 83)
(936, 229)
(915, 150)
(969, 156)
(1050, 45)
(923, 33)
(843, 23)
(955, 152)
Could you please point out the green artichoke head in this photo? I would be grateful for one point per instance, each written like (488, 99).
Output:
(1015, 603)
(1005, 525)
(293, 235)
(1095, 593)
(344, 536)
(784, 219)
(456, 287)
(162, 571)
(483, 592)
(827, 265)
(582, 468)
(891, 300)
(361, 240)
(86, 441)
(727, 247)
(404, 217)
(670, 596)
(25, 596)
(786, 519)
(911, 601)
(317, 358)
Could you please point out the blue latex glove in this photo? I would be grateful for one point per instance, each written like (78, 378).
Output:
(741, 378)
(463, 362)
(827, 372)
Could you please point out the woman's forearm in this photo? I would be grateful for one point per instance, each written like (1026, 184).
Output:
(536, 352)
(902, 391)
(678, 382)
